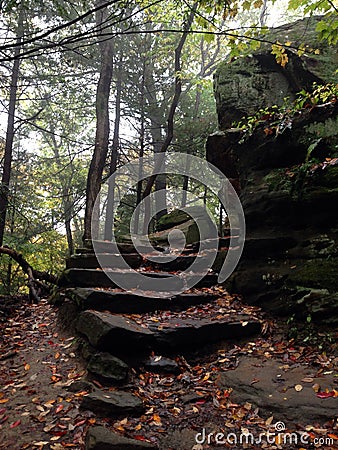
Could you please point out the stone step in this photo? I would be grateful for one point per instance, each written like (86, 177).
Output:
(135, 261)
(99, 438)
(124, 248)
(128, 334)
(111, 260)
(77, 277)
(113, 403)
(119, 302)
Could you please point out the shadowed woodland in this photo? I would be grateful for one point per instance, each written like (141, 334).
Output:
(91, 358)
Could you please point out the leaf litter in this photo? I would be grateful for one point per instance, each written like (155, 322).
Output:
(37, 411)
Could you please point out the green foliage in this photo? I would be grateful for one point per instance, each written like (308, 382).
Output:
(276, 119)
(46, 252)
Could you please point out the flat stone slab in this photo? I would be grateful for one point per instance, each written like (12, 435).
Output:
(113, 403)
(111, 260)
(119, 334)
(270, 385)
(190, 332)
(118, 301)
(77, 277)
(113, 333)
(161, 364)
(100, 438)
(108, 367)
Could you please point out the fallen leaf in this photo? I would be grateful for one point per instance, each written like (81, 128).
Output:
(58, 409)
(327, 394)
(15, 424)
(307, 380)
(269, 421)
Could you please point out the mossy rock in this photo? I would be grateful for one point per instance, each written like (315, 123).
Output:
(108, 367)
(277, 181)
(189, 229)
(327, 177)
(178, 216)
(317, 273)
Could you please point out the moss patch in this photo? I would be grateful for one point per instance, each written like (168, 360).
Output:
(318, 273)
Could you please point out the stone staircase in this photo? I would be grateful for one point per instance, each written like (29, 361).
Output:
(121, 329)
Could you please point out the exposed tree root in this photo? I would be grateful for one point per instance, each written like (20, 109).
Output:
(35, 277)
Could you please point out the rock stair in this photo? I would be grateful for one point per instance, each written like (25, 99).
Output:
(120, 327)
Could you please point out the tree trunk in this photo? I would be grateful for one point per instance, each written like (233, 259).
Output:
(109, 222)
(7, 167)
(67, 203)
(141, 153)
(171, 115)
(102, 125)
(34, 276)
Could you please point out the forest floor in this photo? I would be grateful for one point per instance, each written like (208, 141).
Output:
(39, 410)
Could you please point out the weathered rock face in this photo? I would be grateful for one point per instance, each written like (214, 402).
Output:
(257, 81)
(271, 387)
(290, 260)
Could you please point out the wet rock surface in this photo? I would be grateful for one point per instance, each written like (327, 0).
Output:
(282, 390)
(108, 367)
(113, 404)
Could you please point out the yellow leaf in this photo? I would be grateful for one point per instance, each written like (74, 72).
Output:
(316, 387)
(269, 421)
(317, 51)
(156, 418)
(206, 377)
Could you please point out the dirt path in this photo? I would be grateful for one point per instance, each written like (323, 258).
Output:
(38, 365)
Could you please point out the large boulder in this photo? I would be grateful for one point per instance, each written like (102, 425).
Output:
(257, 81)
(288, 176)
(191, 222)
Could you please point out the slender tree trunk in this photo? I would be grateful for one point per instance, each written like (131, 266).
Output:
(68, 219)
(221, 220)
(185, 188)
(67, 203)
(102, 125)
(7, 167)
(171, 115)
(264, 13)
(141, 153)
(108, 227)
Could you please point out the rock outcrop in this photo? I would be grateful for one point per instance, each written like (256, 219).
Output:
(256, 81)
(288, 177)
